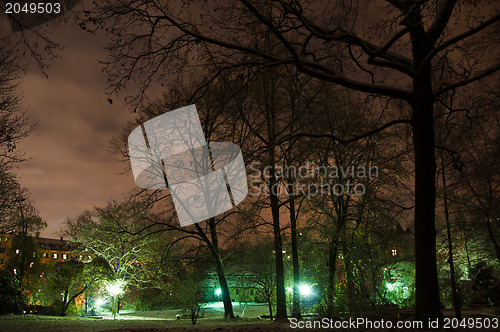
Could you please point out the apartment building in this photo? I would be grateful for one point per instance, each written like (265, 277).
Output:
(50, 250)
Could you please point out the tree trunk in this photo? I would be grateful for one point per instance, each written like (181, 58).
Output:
(114, 306)
(295, 262)
(281, 312)
(278, 248)
(270, 303)
(226, 296)
(492, 237)
(427, 304)
(269, 91)
(490, 218)
(333, 253)
(454, 293)
(332, 270)
(86, 304)
(65, 303)
(349, 276)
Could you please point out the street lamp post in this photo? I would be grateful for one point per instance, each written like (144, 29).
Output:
(114, 289)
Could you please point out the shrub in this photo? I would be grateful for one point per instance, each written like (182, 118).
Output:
(12, 299)
(485, 281)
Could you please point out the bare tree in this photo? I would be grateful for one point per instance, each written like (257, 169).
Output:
(19, 48)
(389, 55)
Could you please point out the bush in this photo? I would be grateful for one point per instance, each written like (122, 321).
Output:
(12, 299)
(149, 299)
(485, 281)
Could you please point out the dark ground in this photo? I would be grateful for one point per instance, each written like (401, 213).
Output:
(164, 321)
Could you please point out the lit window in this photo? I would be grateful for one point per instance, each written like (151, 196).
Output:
(15, 271)
(80, 257)
(45, 255)
(65, 256)
(17, 251)
(54, 255)
(394, 252)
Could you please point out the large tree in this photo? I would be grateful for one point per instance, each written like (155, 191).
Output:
(389, 52)
(73, 278)
(111, 233)
(20, 48)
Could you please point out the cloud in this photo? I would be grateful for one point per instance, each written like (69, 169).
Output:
(71, 168)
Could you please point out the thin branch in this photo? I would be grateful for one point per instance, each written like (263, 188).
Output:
(477, 77)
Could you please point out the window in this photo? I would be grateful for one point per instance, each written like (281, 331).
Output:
(394, 252)
(65, 256)
(17, 251)
(55, 255)
(45, 255)
(80, 257)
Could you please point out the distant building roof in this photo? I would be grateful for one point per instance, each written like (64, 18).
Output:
(54, 244)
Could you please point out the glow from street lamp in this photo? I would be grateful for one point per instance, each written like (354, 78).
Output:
(99, 302)
(305, 290)
(218, 292)
(115, 287)
(393, 286)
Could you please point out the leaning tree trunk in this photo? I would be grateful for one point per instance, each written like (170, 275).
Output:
(226, 296)
(219, 267)
(270, 303)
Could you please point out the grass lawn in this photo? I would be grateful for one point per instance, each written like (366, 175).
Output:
(164, 320)
(75, 324)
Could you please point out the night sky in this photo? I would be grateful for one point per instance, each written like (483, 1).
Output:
(71, 167)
